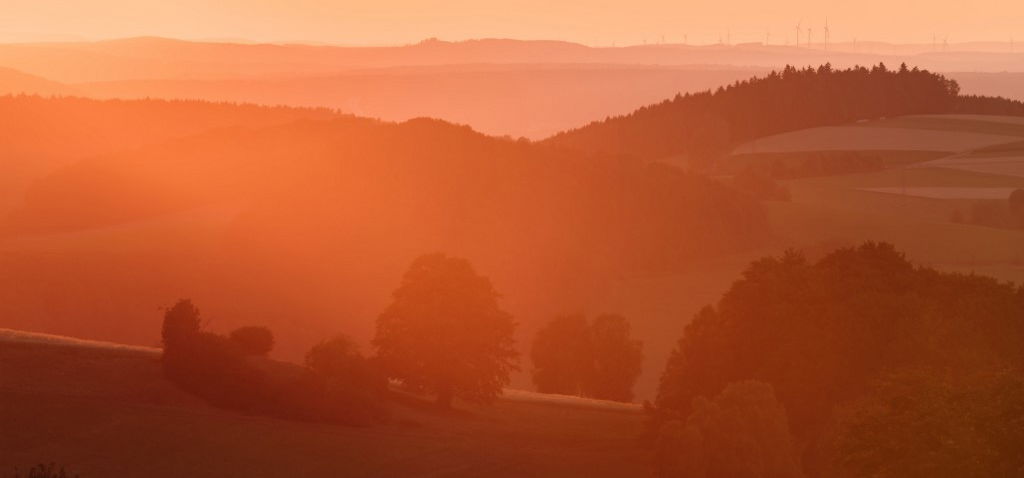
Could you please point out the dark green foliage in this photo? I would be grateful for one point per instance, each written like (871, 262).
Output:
(742, 433)
(253, 340)
(708, 124)
(616, 362)
(562, 355)
(988, 105)
(926, 423)
(338, 361)
(180, 322)
(444, 332)
(597, 359)
(223, 373)
(821, 334)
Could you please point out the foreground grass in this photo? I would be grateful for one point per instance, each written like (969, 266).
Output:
(110, 413)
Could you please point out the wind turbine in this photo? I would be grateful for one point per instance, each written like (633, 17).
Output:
(809, 31)
(826, 33)
(798, 31)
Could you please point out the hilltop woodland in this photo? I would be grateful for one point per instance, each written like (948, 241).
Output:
(702, 126)
(860, 364)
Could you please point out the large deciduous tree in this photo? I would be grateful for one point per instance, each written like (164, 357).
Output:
(444, 332)
(562, 355)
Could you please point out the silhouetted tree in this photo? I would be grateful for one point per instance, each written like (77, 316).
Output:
(822, 333)
(181, 321)
(444, 332)
(742, 433)
(562, 355)
(223, 371)
(339, 360)
(595, 359)
(253, 340)
(617, 360)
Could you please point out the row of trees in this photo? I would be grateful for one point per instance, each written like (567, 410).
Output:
(704, 125)
(597, 359)
(444, 333)
(879, 368)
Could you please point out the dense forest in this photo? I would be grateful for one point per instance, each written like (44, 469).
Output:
(879, 368)
(703, 125)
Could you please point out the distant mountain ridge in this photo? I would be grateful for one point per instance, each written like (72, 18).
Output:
(161, 58)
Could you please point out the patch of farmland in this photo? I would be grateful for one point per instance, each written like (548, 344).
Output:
(944, 192)
(997, 125)
(567, 400)
(860, 138)
(998, 165)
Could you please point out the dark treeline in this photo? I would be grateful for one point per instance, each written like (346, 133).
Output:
(443, 334)
(591, 358)
(706, 124)
(882, 369)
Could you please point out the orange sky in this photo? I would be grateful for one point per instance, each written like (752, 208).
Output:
(595, 22)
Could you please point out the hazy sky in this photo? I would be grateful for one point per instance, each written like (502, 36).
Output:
(595, 22)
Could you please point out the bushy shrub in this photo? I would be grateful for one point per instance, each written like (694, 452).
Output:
(221, 371)
(253, 340)
(180, 322)
(215, 368)
(338, 360)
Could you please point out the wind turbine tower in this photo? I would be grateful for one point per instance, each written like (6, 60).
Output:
(826, 33)
(798, 32)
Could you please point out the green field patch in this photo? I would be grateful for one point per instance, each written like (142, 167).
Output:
(973, 124)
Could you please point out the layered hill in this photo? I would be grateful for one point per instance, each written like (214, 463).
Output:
(306, 226)
(705, 125)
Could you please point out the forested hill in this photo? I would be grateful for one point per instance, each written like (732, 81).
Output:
(705, 124)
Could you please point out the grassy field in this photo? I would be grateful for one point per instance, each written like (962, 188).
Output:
(108, 412)
(872, 137)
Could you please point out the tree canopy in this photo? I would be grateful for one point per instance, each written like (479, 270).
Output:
(742, 432)
(597, 359)
(711, 123)
(822, 334)
(445, 333)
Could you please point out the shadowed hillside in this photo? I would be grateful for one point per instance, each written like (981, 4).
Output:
(41, 134)
(104, 410)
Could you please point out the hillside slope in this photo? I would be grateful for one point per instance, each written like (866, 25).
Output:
(103, 412)
(706, 125)
(307, 226)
